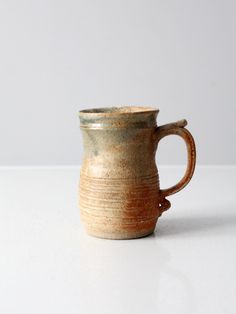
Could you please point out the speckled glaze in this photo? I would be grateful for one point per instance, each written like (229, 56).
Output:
(120, 195)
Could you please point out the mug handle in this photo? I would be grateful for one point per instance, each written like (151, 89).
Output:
(177, 128)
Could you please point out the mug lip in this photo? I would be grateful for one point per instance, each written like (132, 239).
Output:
(117, 111)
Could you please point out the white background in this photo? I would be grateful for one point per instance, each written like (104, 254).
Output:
(57, 57)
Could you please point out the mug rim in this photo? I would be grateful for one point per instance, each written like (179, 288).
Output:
(117, 111)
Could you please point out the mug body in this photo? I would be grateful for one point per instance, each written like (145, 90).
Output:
(119, 183)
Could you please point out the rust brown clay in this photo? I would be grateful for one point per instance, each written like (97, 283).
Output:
(120, 195)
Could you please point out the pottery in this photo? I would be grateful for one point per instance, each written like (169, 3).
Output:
(120, 195)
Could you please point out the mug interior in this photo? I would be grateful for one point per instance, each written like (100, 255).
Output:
(119, 110)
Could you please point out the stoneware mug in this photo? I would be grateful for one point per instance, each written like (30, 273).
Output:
(120, 195)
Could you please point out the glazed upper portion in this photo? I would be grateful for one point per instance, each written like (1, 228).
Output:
(118, 117)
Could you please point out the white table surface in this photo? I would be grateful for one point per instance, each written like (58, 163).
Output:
(49, 265)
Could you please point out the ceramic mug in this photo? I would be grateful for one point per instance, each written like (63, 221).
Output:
(120, 195)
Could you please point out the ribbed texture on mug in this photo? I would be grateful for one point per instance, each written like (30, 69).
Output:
(119, 208)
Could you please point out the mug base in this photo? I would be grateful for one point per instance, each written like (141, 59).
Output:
(118, 236)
